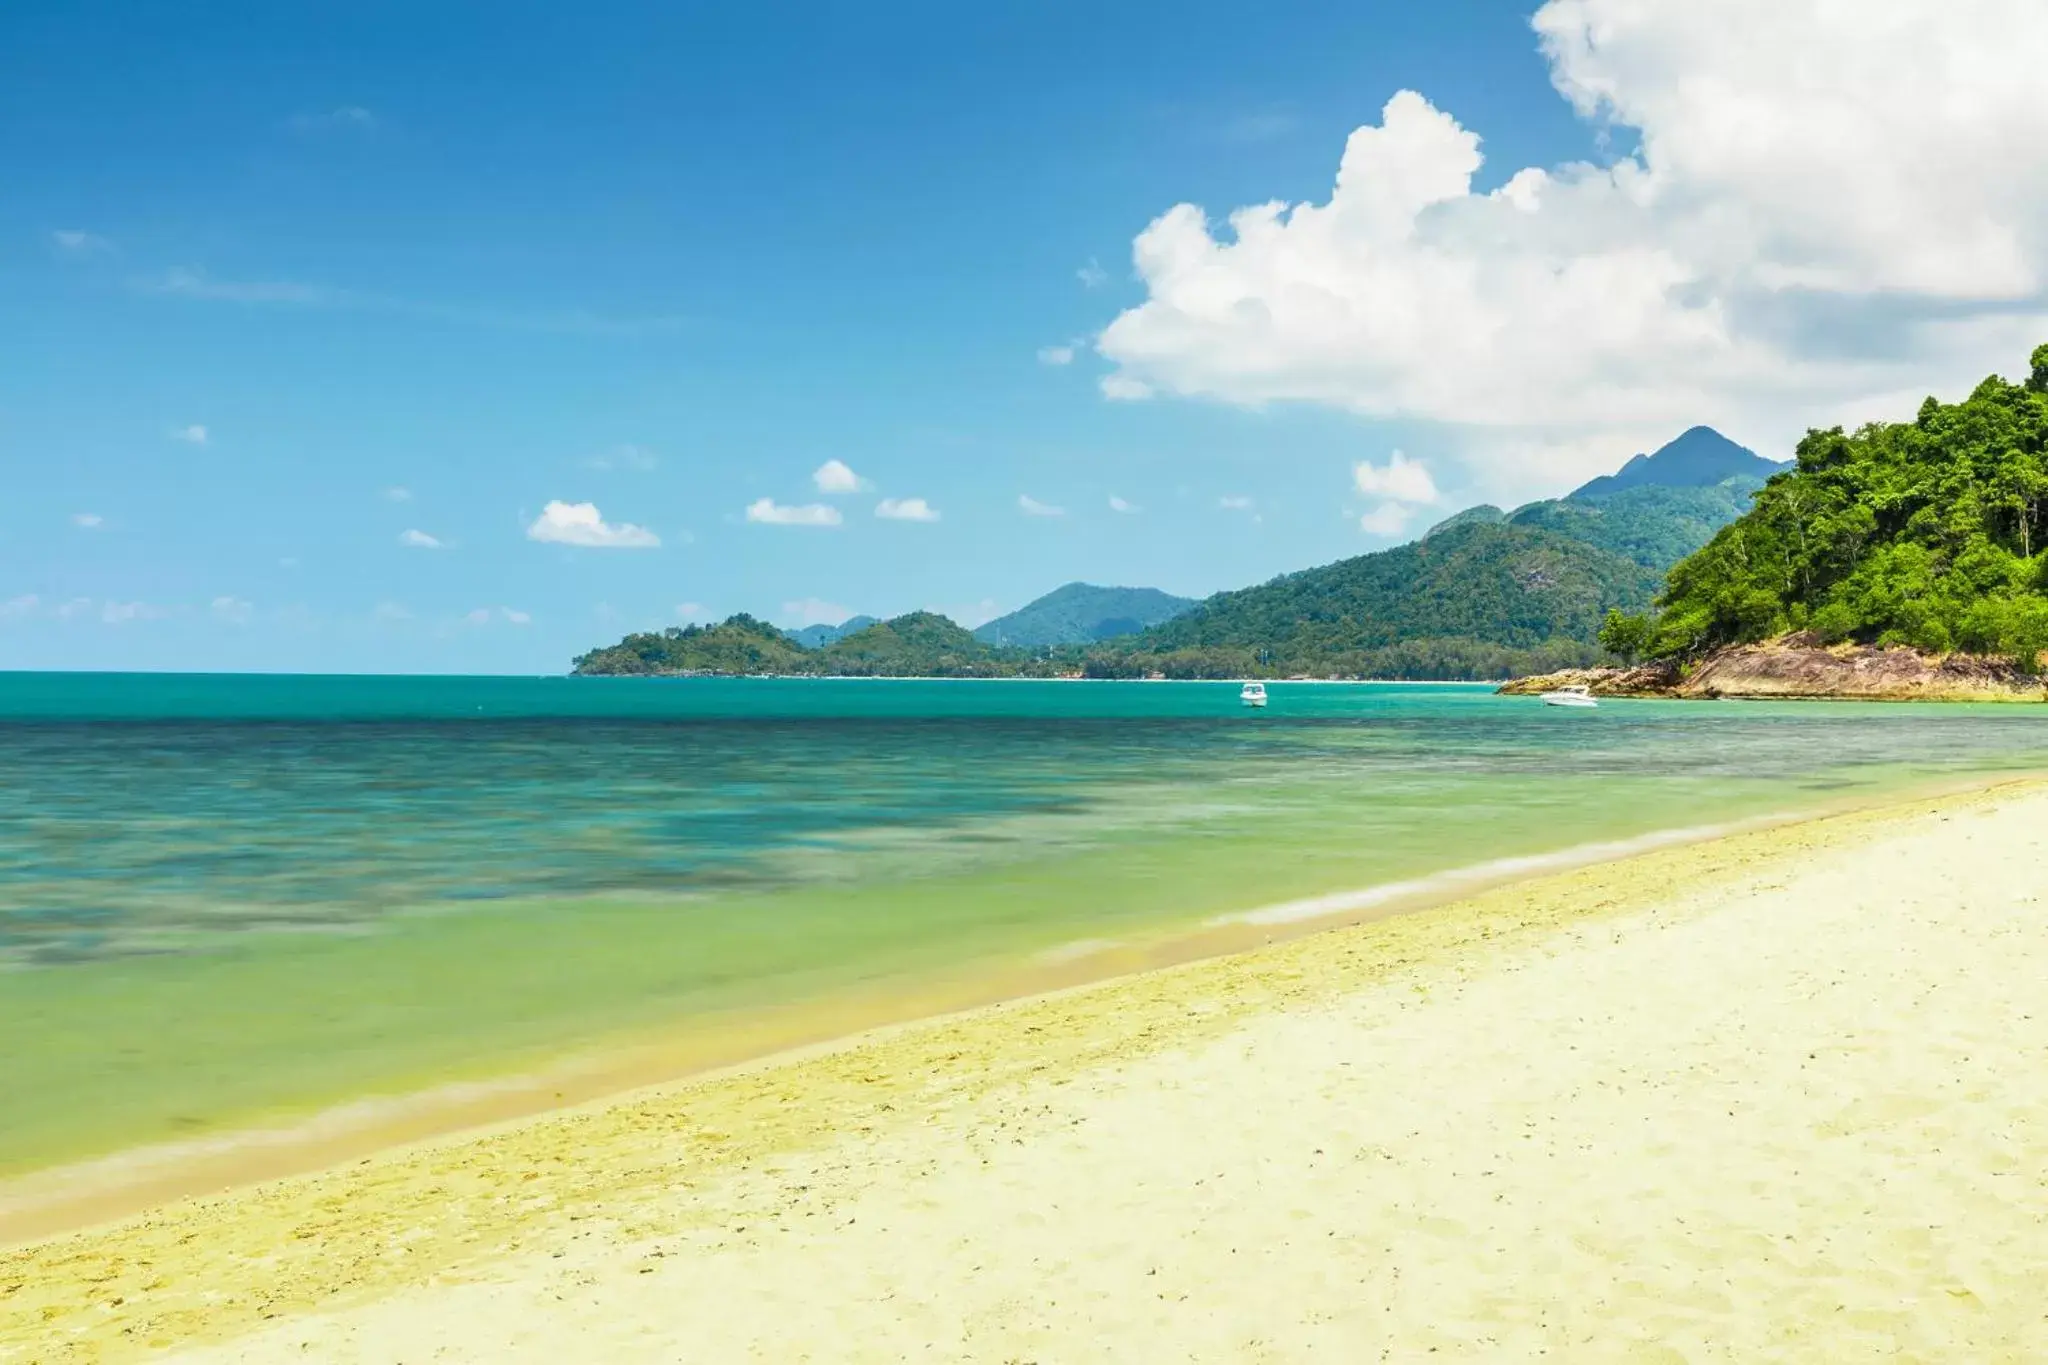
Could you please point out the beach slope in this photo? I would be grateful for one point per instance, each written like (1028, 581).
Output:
(1783, 1096)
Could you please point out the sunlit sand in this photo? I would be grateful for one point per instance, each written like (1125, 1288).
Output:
(1781, 1096)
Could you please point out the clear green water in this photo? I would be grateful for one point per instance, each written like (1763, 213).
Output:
(226, 898)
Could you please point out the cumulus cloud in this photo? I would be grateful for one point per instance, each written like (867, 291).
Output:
(87, 521)
(1120, 505)
(193, 435)
(906, 509)
(813, 611)
(1092, 275)
(578, 523)
(24, 605)
(233, 610)
(1056, 355)
(1399, 480)
(692, 611)
(512, 616)
(1388, 519)
(398, 495)
(834, 476)
(1831, 209)
(768, 512)
(1032, 507)
(420, 540)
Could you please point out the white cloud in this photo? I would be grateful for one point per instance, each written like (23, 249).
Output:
(1032, 507)
(418, 540)
(512, 616)
(834, 476)
(194, 435)
(1399, 480)
(79, 244)
(1092, 275)
(479, 616)
(1117, 504)
(1124, 389)
(1234, 504)
(398, 495)
(1056, 355)
(906, 509)
(87, 521)
(1385, 520)
(692, 611)
(121, 613)
(578, 523)
(1833, 209)
(813, 611)
(637, 459)
(768, 512)
(24, 605)
(233, 610)
(77, 606)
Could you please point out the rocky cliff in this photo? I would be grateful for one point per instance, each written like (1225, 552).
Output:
(1796, 667)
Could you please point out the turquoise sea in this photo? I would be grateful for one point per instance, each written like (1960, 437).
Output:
(229, 898)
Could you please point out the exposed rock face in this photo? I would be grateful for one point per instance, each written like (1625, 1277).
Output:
(1798, 667)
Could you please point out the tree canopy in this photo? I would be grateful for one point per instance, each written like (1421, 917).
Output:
(1927, 533)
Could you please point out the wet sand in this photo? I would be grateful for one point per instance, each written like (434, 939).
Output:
(1778, 1096)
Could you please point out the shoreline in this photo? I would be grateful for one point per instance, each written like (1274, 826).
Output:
(80, 1197)
(416, 1237)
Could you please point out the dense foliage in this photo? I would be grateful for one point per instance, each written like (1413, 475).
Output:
(1928, 533)
(1080, 614)
(1510, 588)
(1652, 525)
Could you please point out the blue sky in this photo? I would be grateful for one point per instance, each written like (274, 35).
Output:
(288, 282)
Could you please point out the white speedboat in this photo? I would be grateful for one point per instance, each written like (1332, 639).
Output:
(1570, 696)
(1253, 694)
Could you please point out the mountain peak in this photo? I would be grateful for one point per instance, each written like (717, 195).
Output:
(1082, 613)
(1699, 457)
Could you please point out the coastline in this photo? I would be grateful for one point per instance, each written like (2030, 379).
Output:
(214, 1266)
(56, 1200)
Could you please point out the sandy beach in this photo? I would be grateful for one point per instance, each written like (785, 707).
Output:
(1779, 1096)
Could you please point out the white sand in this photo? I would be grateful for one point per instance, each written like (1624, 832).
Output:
(1798, 1115)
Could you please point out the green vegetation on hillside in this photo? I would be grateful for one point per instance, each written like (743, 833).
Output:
(1650, 524)
(1462, 602)
(740, 644)
(1927, 533)
(1080, 614)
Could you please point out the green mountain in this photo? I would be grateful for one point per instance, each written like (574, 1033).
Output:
(1653, 525)
(1080, 614)
(739, 644)
(1927, 533)
(922, 644)
(1467, 600)
(817, 637)
(1698, 458)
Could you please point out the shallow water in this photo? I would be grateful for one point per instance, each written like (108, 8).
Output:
(228, 897)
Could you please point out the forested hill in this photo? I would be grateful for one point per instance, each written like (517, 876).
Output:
(1081, 613)
(1927, 533)
(1465, 601)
